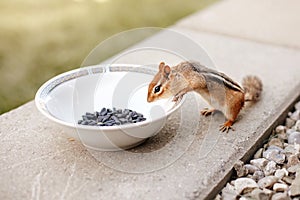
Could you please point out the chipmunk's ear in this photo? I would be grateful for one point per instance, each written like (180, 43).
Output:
(161, 66)
(167, 70)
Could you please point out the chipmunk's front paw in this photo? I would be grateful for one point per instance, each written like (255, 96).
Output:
(177, 98)
(207, 111)
(226, 126)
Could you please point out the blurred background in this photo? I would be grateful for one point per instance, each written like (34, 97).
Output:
(42, 38)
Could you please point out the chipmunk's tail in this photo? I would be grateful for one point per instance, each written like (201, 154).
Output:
(253, 88)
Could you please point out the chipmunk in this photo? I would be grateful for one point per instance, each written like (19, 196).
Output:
(220, 91)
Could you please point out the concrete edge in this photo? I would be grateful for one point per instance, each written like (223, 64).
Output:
(182, 25)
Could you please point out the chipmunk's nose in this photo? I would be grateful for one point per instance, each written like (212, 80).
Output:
(149, 99)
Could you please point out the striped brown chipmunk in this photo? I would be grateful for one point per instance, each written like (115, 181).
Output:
(220, 91)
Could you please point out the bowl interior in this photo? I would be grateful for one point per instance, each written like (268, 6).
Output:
(67, 97)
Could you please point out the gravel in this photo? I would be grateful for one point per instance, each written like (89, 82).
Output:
(111, 117)
(274, 171)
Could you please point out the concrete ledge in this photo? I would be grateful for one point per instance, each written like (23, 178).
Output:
(259, 20)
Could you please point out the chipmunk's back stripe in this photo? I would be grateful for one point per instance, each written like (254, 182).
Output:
(222, 80)
(217, 76)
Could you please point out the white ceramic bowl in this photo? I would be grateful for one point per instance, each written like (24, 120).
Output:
(68, 96)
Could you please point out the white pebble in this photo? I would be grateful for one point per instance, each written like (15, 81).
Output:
(267, 182)
(295, 115)
(297, 105)
(295, 187)
(280, 129)
(229, 192)
(259, 194)
(245, 185)
(251, 168)
(240, 169)
(292, 149)
(280, 173)
(294, 168)
(280, 187)
(257, 175)
(289, 122)
(259, 162)
(297, 125)
(294, 138)
(258, 153)
(280, 196)
(270, 168)
(292, 160)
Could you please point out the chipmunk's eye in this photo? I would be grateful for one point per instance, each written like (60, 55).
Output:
(157, 89)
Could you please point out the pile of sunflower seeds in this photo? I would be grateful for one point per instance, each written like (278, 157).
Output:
(111, 117)
(274, 171)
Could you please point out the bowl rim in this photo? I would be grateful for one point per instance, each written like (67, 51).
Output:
(41, 104)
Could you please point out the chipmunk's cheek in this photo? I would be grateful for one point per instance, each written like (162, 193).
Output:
(166, 95)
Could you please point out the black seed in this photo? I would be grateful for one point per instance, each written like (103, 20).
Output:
(119, 111)
(91, 117)
(100, 118)
(130, 114)
(85, 123)
(105, 118)
(84, 118)
(92, 123)
(140, 119)
(120, 115)
(110, 121)
(103, 111)
(115, 118)
(123, 121)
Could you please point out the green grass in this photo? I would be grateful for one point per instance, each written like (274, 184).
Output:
(42, 38)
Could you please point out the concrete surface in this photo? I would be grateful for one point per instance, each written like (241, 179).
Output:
(188, 159)
(264, 21)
